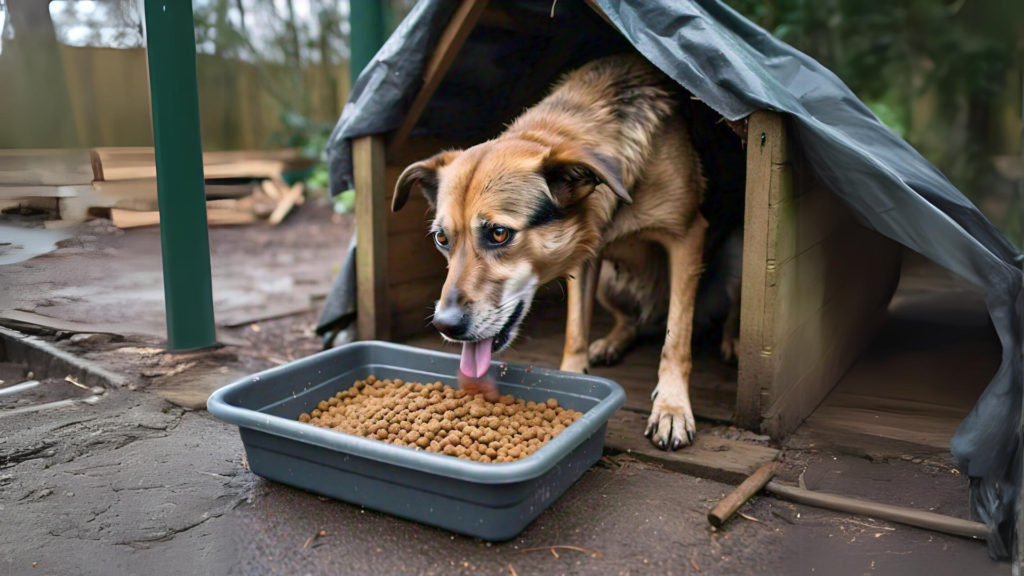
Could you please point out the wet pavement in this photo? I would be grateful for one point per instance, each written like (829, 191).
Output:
(136, 482)
(135, 485)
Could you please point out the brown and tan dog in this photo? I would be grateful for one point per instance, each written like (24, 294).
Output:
(602, 171)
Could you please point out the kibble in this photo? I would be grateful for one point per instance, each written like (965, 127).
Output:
(441, 419)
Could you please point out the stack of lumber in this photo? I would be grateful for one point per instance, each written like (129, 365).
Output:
(70, 185)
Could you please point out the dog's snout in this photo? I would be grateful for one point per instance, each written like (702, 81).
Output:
(452, 321)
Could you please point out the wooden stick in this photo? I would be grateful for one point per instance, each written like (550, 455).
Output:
(745, 491)
(291, 198)
(909, 516)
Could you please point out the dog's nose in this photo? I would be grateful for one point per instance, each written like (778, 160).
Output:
(452, 321)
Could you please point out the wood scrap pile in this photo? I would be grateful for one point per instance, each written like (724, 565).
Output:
(71, 185)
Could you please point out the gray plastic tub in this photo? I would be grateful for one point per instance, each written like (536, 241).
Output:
(490, 501)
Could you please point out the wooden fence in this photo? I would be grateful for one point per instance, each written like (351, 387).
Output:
(109, 98)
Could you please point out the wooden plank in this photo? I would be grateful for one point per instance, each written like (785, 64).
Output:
(412, 304)
(416, 295)
(371, 209)
(795, 226)
(132, 163)
(802, 285)
(412, 256)
(905, 420)
(413, 218)
(809, 363)
(766, 129)
(451, 41)
(45, 168)
(9, 192)
(711, 457)
(860, 286)
(782, 187)
(214, 217)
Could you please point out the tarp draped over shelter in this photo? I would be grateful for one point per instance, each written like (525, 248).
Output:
(735, 67)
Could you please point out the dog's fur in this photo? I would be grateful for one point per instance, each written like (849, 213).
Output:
(598, 183)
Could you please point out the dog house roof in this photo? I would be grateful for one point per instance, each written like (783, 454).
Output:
(736, 68)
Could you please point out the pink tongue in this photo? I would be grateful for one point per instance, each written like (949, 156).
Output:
(476, 358)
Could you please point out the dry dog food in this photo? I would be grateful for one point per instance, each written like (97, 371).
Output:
(441, 419)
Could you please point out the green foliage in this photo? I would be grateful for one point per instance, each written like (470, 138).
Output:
(302, 133)
(892, 53)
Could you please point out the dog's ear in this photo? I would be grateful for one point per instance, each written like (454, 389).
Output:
(423, 173)
(573, 173)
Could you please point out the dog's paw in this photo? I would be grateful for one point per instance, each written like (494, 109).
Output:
(575, 363)
(671, 425)
(606, 351)
(730, 349)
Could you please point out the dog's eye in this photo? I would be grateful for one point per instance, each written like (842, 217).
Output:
(500, 235)
(440, 239)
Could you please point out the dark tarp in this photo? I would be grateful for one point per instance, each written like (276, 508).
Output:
(736, 68)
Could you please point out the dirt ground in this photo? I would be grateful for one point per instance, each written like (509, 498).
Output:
(138, 481)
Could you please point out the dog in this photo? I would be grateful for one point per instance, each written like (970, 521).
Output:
(600, 184)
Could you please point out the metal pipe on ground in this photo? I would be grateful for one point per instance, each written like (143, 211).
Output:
(185, 240)
(763, 478)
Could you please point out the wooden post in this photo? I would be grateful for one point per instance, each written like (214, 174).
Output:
(765, 132)
(371, 239)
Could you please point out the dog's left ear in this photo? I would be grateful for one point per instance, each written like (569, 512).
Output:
(572, 174)
(424, 175)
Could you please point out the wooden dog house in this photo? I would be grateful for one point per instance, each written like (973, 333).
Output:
(816, 284)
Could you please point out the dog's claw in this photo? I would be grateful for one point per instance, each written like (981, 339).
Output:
(671, 423)
(605, 351)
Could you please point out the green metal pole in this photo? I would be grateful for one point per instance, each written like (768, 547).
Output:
(368, 23)
(185, 241)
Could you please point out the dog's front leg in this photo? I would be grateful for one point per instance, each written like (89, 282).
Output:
(671, 424)
(582, 289)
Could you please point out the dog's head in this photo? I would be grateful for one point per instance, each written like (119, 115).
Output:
(510, 215)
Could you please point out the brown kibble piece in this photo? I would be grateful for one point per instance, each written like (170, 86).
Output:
(441, 419)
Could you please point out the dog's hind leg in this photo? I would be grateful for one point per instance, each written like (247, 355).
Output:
(609, 350)
(633, 287)
(581, 288)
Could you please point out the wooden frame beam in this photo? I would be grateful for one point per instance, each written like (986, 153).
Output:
(371, 208)
(452, 39)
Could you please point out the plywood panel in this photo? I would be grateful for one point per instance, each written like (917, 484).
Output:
(807, 282)
(710, 456)
(794, 226)
(412, 256)
(815, 285)
(416, 295)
